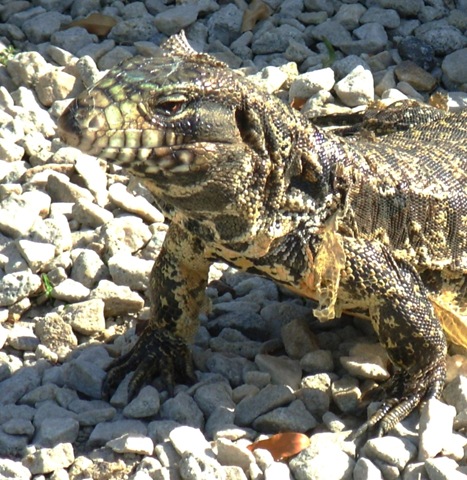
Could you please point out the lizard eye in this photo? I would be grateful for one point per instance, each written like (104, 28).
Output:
(170, 107)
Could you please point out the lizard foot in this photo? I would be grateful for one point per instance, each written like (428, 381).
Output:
(404, 392)
(155, 353)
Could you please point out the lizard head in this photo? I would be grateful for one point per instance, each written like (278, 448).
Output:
(195, 131)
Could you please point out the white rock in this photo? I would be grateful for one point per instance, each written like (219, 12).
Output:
(70, 291)
(307, 84)
(436, 424)
(93, 174)
(356, 88)
(18, 213)
(118, 299)
(131, 271)
(189, 440)
(36, 254)
(132, 443)
(14, 470)
(47, 460)
(18, 285)
(136, 204)
(86, 317)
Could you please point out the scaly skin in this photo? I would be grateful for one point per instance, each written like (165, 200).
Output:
(372, 224)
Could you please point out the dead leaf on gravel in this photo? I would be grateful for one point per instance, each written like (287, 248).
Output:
(283, 445)
(95, 23)
(256, 11)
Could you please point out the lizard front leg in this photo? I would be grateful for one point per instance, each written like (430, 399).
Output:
(405, 322)
(177, 284)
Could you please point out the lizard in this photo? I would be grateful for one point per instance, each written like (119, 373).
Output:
(369, 222)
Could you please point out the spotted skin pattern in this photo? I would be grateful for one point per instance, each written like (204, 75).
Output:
(371, 221)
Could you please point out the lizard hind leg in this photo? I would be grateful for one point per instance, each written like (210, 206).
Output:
(407, 327)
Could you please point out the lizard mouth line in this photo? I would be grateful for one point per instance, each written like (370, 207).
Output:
(174, 158)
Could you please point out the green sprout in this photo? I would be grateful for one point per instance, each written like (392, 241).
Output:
(331, 53)
(48, 287)
(6, 54)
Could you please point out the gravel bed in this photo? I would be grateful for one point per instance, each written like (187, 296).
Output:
(78, 239)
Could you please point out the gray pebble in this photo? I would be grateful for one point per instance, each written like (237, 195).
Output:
(225, 24)
(182, 409)
(53, 431)
(12, 445)
(346, 393)
(86, 317)
(145, 404)
(315, 392)
(231, 367)
(20, 383)
(174, 19)
(72, 39)
(232, 341)
(454, 66)
(19, 426)
(350, 16)
(133, 30)
(318, 361)
(455, 393)
(214, 395)
(61, 189)
(106, 431)
(85, 377)
(220, 423)
(283, 370)
(294, 418)
(270, 397)
(36, 254)
(112, 57)
(298, 339)
(443, 38)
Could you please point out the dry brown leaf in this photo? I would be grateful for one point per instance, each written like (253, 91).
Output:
(283, 445)
(256, 11)
(95, 23)
(298, 102)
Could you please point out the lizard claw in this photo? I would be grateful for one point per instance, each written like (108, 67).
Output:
(155, 353)
(405, 393)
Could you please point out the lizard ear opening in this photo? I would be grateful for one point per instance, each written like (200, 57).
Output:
(250, 129)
